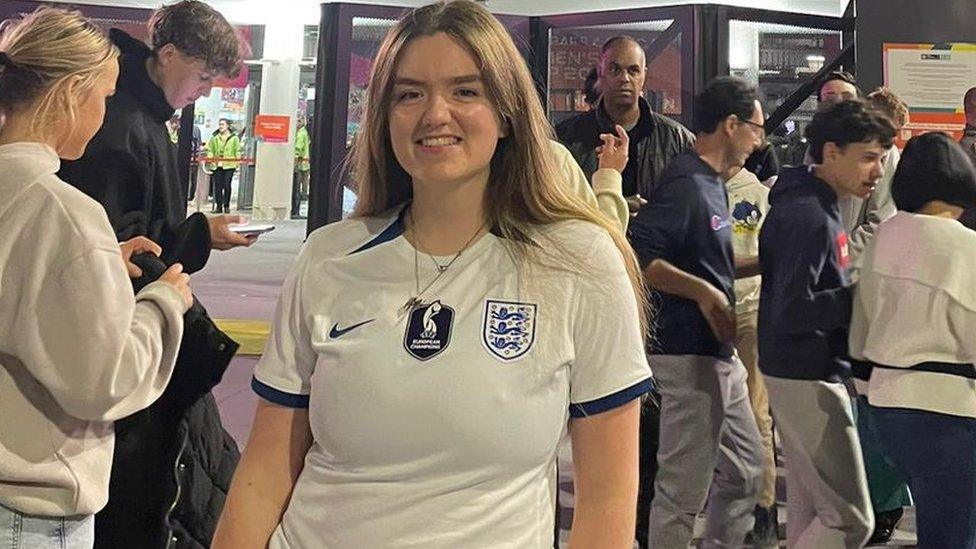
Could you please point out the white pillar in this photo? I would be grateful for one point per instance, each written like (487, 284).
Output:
(275, 162)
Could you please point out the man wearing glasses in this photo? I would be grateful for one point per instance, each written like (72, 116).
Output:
(710, 445)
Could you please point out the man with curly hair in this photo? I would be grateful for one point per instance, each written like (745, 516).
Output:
(173, 462)
(130, 166)
(805, 257)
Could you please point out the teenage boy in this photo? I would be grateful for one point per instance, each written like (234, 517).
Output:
(804, 311)
(173, 462)
(130, 166)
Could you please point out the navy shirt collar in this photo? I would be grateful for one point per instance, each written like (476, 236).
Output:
(824, 191)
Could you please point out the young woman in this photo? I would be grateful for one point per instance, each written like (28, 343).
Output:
(429, 353)
(913, 323)
(225, 147)
(77, 349)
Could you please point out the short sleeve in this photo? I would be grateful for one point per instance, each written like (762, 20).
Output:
(662, 223)
(609, 367)
(282, 375)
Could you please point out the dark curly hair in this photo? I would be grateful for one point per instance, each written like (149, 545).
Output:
(846, 122)
(199, 31)
(591, 93)
(842, 76)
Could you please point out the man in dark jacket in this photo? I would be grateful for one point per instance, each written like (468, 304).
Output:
(804, 311)
(130, 166)
(654, 139)
(173, 461)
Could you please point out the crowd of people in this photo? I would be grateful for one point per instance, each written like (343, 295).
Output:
(664, 298)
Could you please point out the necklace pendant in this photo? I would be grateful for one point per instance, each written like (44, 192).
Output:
(442, 268)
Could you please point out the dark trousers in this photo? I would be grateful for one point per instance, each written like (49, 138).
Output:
(296, 193)
(192, 191)
(222, 178)
(938, 454)
(650, 428)
(886, 483)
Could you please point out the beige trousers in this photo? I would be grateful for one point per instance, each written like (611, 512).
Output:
(747, 346)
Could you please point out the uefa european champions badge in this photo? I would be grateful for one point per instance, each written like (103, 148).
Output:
(508, 329)
(428, 330)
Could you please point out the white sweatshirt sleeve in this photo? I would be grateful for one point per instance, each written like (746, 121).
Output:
(101, 353)
(608, 186)
(606, 193)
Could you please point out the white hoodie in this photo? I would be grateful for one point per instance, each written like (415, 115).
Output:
(77, 349)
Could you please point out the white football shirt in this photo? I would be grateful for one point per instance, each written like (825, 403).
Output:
(439, 427)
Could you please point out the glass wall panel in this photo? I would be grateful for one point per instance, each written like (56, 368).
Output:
(575, 51)
(779, 58)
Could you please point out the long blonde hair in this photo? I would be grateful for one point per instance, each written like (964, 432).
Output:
(42, 52)
(524, 187)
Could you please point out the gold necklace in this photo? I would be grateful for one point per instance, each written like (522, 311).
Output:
(415, 301)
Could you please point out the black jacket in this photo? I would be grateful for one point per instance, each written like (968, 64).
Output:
(173, 461)
(130, 165)
(805, 302)
(654, 141)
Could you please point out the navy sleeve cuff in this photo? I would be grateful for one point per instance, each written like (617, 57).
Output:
(611, 401)
(280, 398)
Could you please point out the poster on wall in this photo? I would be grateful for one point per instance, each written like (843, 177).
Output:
(932, 80)
(272, 128)
(233, 98)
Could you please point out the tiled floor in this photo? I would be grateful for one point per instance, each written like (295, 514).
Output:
(244, 284)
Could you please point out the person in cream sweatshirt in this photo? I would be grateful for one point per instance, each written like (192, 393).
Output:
(77, 349)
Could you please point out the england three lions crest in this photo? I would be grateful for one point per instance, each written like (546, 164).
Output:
(508, 329)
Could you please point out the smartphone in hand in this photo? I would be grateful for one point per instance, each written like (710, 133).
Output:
(251, 230)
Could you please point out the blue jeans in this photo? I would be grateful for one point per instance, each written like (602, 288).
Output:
(886, 483)
(20, 531)
(938, 453)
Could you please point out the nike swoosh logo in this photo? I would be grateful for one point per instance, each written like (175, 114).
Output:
(335, 332)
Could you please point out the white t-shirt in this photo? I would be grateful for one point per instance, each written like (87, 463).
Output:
(440, 430)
